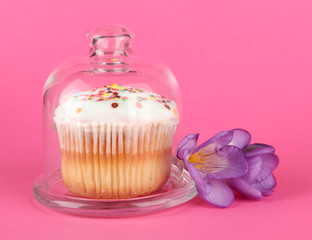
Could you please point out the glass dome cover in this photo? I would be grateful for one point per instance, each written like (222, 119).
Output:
(111, 122)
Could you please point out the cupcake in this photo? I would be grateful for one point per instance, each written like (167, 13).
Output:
(115, 141)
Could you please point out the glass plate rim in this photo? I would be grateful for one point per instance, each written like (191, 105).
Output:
(116, 207)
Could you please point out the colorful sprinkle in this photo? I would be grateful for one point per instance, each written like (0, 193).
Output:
(114, 105)
(114, 85)
(78, 110)
(138, 104)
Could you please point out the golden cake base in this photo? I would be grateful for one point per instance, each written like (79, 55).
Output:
(116, 175)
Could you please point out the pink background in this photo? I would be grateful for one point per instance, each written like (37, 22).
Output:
(240, 63)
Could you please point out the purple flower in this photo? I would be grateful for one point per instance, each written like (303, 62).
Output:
(259, 180)
(221, 157)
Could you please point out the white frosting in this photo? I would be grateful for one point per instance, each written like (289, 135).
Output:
(117, 104)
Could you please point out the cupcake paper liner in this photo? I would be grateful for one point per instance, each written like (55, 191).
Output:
(110, 160)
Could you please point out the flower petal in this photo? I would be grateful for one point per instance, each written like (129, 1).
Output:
(241, 138)
(236, 137)
(257, 149)
(269, 163)
(267, 184)
(254, 168)
(244, 188)
(220, 195)
(267, 193)
(188, 142)
(195, 174)
(216, 142)
(228, 162)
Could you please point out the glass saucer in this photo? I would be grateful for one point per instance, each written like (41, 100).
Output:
(52, 193)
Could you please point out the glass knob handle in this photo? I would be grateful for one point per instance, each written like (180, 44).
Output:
(110, 39)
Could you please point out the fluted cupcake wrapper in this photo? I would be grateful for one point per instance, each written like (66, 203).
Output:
(103, 160)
